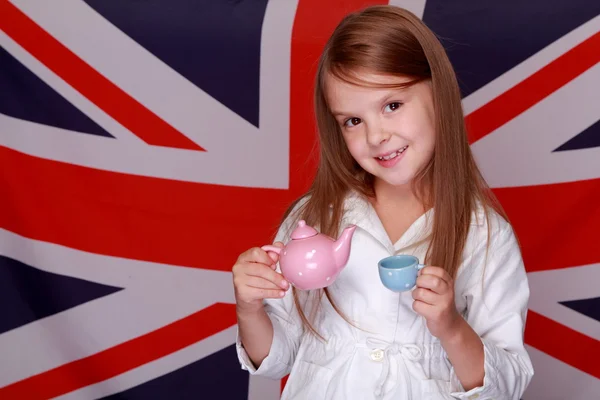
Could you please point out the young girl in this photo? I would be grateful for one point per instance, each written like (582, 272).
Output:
(394, 161)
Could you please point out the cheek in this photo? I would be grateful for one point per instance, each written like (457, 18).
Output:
(428, 139)
(430, 131)
(431, 140)
(354, 146)
(424, 137)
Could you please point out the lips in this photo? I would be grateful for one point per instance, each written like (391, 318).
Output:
(392, 155)
(390, 160)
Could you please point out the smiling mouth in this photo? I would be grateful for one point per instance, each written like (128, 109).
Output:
(393, 155)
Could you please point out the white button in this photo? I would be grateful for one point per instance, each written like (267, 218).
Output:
(377, 355)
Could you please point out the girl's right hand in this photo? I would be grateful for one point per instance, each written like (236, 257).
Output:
(255, 279)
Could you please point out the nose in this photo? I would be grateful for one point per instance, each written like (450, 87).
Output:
(376, 134)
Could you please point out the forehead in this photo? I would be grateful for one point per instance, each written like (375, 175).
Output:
(342, 94)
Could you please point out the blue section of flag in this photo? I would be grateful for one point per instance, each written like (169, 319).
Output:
(213, 44)
(28, 294)
(484, 39)
(25, 96)
(587, 307)
(217, 376)
(585, 140)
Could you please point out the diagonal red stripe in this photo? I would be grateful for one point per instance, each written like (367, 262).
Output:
(557, 225)
(123, 357)
(85, 79)
(535, 88)
(563, 343)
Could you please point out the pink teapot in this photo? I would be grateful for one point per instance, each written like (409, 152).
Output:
(313, 260)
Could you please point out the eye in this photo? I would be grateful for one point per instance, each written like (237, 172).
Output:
(392, 106)
(349, 123)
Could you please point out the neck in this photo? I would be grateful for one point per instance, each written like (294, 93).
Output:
(403, 194)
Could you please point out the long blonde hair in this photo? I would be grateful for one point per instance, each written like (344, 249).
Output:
(388, 40)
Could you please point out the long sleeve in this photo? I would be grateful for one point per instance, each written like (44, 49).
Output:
(287, 330)
(497, 294)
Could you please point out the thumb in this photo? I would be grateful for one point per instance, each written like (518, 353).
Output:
(274, 256)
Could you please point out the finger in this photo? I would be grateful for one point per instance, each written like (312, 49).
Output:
(259, 294)
(275, 257)
(425, 296)
(433, 283)
(264, 272)
(422, 308)
(256, 255)
(260, 283)
(435, 271)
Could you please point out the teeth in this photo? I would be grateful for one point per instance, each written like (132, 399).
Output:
(394, 154)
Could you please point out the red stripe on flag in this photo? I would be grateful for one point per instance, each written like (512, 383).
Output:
(159, 220)
(557, 225)
(283, 382)
(534, 89)
(85, 79)
(123, 357)
(563, 343)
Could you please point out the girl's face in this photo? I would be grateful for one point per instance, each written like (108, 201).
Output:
(389, 132)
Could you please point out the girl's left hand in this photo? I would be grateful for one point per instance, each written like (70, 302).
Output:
(434, 300)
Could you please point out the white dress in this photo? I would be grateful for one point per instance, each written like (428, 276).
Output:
(393, 355)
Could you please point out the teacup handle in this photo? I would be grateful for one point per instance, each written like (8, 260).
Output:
(420, 266)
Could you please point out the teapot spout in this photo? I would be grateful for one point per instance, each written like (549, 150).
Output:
(341, 247)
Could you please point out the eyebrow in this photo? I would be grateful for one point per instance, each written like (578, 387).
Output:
(339, 114)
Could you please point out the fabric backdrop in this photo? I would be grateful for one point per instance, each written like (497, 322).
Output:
(145, 144)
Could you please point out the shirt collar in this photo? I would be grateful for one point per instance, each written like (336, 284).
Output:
(359, 211)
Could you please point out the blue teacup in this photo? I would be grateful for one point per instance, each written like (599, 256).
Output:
(399, 273)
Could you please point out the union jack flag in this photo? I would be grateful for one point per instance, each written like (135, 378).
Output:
(144, 145)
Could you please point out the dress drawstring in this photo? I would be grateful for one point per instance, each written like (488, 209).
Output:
(407, 351)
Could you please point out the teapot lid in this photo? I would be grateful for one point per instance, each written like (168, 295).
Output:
(303, 231)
